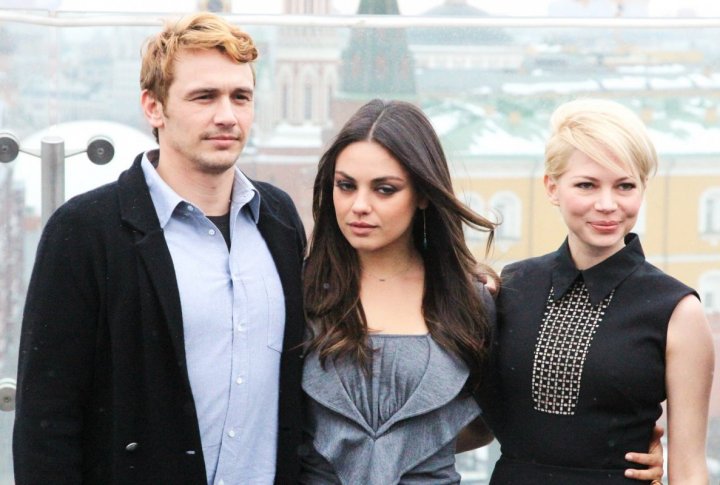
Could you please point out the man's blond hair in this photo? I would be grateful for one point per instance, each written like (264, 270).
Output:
(202, 30)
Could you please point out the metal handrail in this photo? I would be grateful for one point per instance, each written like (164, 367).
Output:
(7, 394)
(102, 19)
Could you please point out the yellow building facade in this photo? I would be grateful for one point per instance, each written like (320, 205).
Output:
(679, 224)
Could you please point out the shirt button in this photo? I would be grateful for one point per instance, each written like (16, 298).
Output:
(221, 482)
(131, 447)
(190, 208)
(211, 232)
(231, 433)
(239, 380)
(240, 328)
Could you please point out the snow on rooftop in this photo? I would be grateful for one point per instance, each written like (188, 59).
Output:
(657, 69)
(560, 87)
(677, 136)
(709, 82)
(686, 138)
(301, 136)
(628, 83)
(675, 83)
(500, 142)
(548, 48)
(445, 123)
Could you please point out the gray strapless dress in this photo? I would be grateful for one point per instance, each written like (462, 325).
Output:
(396, 424)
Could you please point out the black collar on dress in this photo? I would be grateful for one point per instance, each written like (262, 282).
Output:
(602, 278)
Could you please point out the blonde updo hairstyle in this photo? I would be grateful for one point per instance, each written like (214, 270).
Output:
(604, 130)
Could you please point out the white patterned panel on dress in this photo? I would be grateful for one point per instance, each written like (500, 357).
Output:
(566, 332)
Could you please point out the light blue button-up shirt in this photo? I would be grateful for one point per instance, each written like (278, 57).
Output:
(233, 319)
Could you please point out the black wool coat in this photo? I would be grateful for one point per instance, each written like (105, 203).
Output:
(103, 389)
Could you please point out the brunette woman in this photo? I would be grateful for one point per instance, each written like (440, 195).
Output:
(399, 325)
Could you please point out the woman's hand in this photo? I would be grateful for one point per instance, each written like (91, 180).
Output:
(490, 280)
(474, 435)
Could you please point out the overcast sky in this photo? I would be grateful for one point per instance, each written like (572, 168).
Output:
(705, 8)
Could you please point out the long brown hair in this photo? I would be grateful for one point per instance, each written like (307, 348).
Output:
(452, 307)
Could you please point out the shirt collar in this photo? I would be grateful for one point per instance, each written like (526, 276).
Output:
(244, 192)
(165, 199)
(600, 279)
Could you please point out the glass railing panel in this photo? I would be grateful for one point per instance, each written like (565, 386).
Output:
(489, 87)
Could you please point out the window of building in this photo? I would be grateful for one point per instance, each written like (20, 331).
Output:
(709, 290)
(308, 103)
(328, 101)
(709, 223)
(476, 203)
(640, 223)
(506, 207)
(285, 102)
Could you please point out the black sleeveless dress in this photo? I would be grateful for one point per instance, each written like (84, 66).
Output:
(580, 366)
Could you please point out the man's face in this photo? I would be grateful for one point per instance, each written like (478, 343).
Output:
(205, 120)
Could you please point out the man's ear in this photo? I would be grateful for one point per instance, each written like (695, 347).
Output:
(152, 109)
(551, 188)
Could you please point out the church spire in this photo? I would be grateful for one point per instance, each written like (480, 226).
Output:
(378, 7)
(378, 62)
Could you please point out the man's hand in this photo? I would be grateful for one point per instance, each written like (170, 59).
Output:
(653, 459)
(490, 281)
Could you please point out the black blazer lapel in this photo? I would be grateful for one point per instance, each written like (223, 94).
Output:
(280, 227)
(138, 212)
(286, 246)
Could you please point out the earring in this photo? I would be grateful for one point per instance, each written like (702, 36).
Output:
(424, 243)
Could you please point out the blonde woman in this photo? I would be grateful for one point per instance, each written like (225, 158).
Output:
(593, 338)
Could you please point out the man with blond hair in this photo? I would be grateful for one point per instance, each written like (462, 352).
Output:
(160, 337)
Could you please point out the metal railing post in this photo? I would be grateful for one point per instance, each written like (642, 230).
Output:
(7, 394)
(52, 156)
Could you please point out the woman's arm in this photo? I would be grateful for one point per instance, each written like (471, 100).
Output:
(688, 375)
(474, 435)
